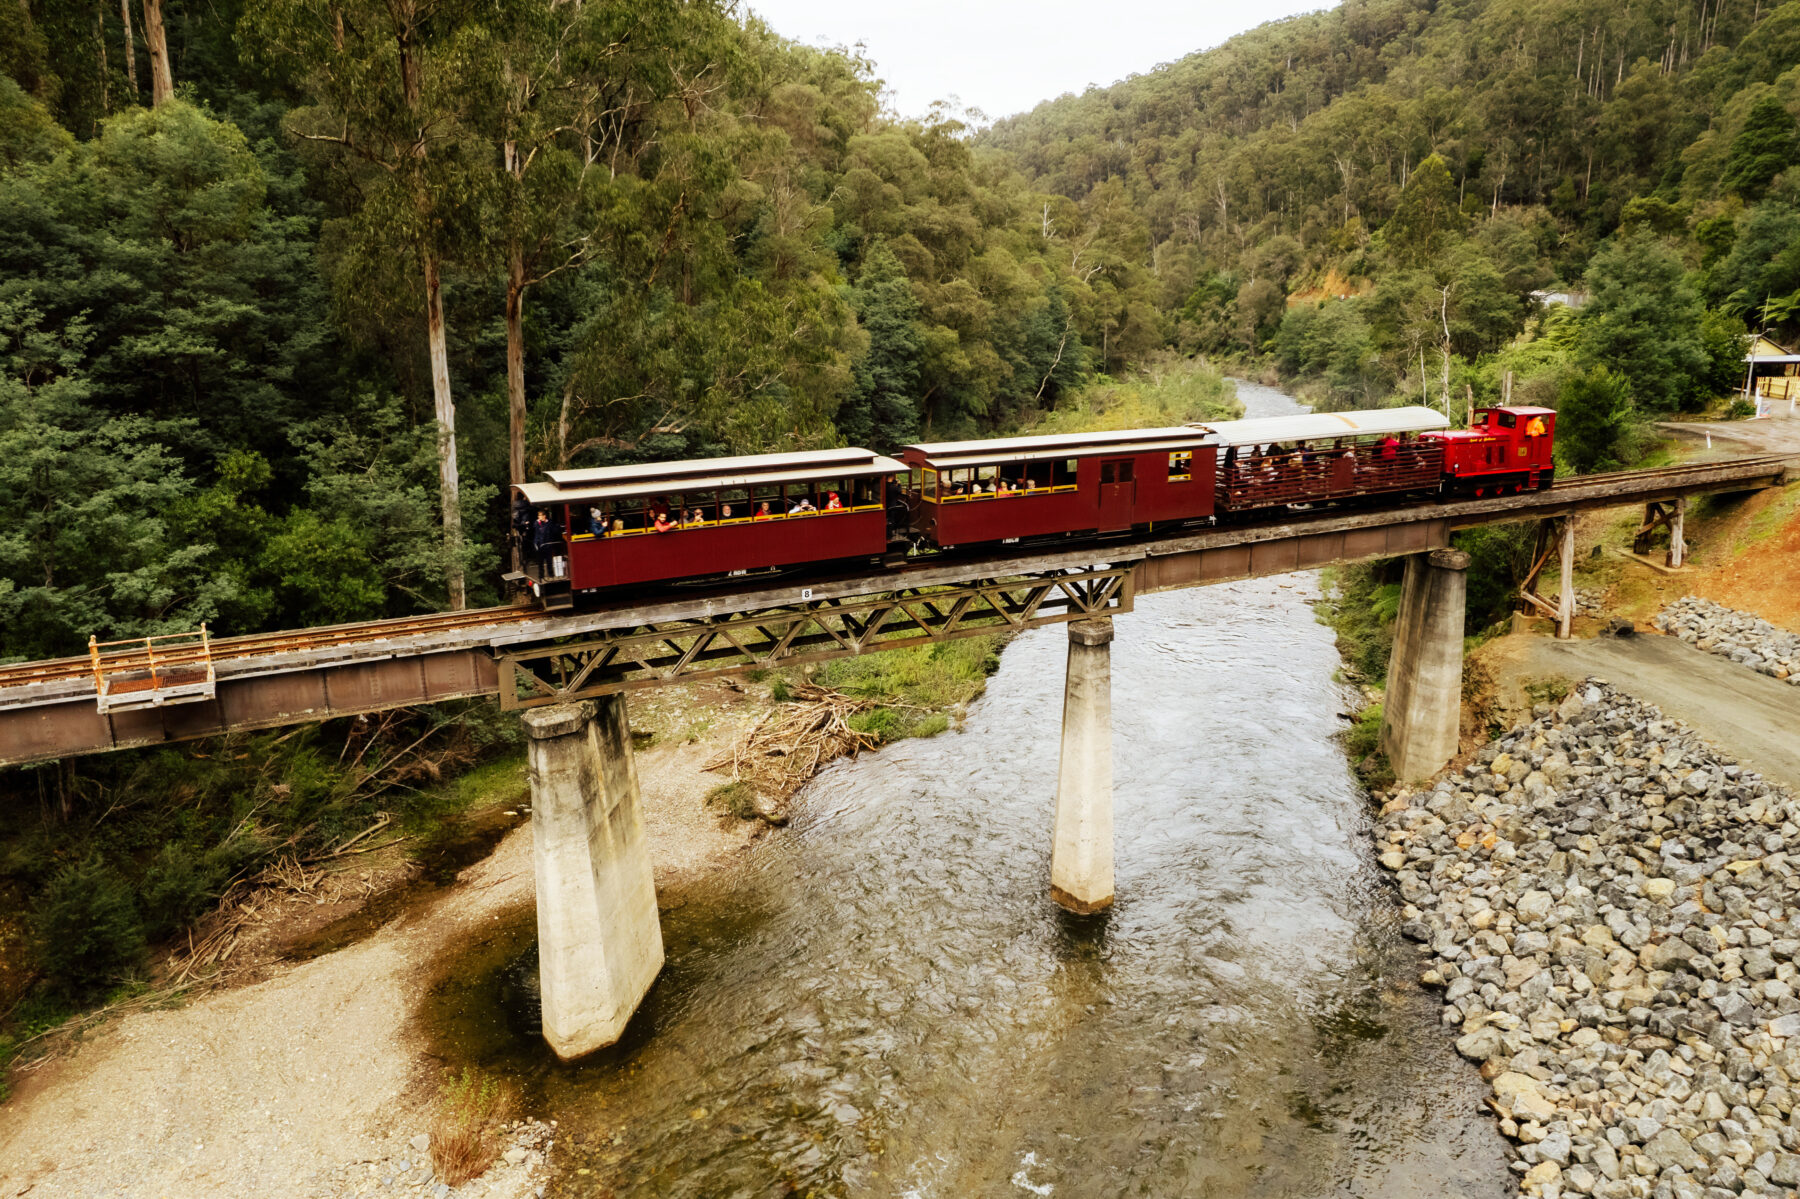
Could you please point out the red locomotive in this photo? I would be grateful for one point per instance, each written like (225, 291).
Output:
(591, 531)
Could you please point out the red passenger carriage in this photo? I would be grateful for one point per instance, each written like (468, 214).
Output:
(656, 521)
(1009, 488)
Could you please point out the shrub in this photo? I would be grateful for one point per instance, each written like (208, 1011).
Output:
(87, 928)
(178, 886)
(1595, 419)
(463, 1131)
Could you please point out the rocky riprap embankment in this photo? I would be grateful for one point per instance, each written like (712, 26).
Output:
(1736, 635)
(518, 1173)
(1612, 910)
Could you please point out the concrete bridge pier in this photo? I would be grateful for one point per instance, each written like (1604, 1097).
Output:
(1422, 713)
(1081, 860)
(599, 940)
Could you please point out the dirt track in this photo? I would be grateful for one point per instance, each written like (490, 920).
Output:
(1749, 715)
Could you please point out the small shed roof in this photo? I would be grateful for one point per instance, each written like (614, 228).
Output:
(1761, 359)
(1062, 445)
(1314, 426)
(660, 484)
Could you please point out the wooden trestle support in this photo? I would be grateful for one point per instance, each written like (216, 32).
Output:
(1554, 536)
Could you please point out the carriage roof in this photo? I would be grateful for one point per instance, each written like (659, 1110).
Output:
(1060, 445)
(706, 474)
(1317, 426)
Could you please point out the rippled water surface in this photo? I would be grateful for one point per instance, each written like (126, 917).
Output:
(882, 1000)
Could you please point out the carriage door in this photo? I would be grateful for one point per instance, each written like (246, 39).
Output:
(1118, 493)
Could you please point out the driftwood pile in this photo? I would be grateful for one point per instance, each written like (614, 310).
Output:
(789, 744)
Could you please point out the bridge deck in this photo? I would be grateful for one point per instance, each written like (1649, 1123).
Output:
(48, 709)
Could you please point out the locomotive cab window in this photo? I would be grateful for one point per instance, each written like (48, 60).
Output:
(1181, 466)
(1506, 420)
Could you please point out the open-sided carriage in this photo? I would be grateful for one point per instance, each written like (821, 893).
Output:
(1327, 457)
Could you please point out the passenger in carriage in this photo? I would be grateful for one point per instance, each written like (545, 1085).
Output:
(696, 520)
(596, 522)
(1002, 487)
(544, 538)
(762, 512)
(832, 503)
(724, 512)
(1390, 448)
(803, 504)
(662, 523)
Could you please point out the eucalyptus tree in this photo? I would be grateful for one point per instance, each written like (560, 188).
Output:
(398, 86)
(579, 87)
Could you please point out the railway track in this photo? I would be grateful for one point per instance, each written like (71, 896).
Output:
(255, 644)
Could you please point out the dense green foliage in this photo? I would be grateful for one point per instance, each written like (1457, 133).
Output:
(219, 314)
(1371, 194)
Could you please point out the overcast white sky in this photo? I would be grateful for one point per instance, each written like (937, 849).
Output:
(1003, 56)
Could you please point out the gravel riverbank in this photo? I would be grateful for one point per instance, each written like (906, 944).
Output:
(1612, 910)
(1740, 636)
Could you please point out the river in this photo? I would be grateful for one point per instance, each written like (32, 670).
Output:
(882, 1000)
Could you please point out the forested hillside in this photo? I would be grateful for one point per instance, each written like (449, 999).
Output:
(250, 285)
(1371, 194)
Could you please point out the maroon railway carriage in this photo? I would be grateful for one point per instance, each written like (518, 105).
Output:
(721, 516)
(1012, 488)
(1505, 450)
(1327, 457)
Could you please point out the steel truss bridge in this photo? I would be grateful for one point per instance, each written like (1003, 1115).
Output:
(149, 693)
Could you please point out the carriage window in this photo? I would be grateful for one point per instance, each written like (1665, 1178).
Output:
(928, 484)
(915, 478)
(734, 504)
(628, 515)
(829, 488)
(799, 494)
(866, 491)
(1181, 465)
(698, 506)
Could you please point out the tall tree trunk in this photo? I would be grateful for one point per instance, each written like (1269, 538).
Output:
(515, 374)
(515, 359)
(448, 489)
(100, 47)
(130, 50)
(162, 82)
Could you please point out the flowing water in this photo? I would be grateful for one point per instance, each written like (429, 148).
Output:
(882, 1000)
